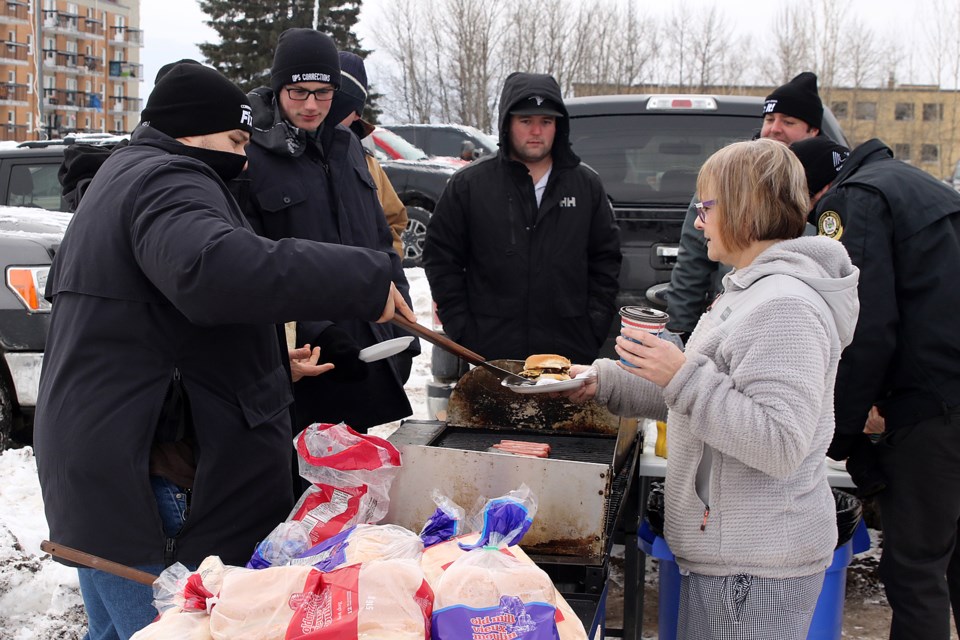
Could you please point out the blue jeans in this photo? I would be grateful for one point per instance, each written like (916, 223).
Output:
(117, 607)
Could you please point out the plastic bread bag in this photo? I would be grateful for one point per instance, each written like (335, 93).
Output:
(283, 544)
(373, 601)
(445, 523)
(489, 593)
(439, 557)
(351, 474)
(363, 543)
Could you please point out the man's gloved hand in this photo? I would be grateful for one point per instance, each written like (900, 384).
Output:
(841, 447)
(338, 347)
(863, 462)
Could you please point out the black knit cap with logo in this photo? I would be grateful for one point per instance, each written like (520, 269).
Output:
(193, 100)
(822, 159)
(304, 55)
(798, 98)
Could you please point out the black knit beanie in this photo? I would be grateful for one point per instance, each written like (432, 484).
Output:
(799, 99)
(304, 55)
(821, 158)
(194, 100)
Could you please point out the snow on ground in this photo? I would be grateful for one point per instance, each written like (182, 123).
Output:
(39, 598)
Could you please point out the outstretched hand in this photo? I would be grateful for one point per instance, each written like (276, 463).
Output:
(585, 392)
(396, 305)
(303, 362)
(653, 359)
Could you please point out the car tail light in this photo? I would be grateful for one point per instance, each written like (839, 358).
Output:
(681, 103)
(29, 284)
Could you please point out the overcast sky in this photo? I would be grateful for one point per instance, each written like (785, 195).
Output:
(173, 28)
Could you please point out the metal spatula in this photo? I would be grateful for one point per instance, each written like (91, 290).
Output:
(460, 351)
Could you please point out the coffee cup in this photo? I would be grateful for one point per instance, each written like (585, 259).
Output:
(648, 319)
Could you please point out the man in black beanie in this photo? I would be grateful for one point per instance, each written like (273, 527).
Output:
(792, 112)
(309, 179)
(901, 227)
(161, 431)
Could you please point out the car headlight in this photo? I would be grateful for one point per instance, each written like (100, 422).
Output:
(29, 284)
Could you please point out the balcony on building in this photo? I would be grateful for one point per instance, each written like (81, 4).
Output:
(14, 52)
(90, 101)
(126, 35)
(62, 60)
(14, 11)
(89, 64)
(15, 132)
(129, 105)
(91, 26)
(61, 21)
(130, 70)
(13, 93)
(65, 98)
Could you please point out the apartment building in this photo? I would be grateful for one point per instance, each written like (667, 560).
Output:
(921, 123)
(69, 67)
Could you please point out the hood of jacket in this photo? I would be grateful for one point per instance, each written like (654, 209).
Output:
(522, 86)
(820, 262)
(272, 131)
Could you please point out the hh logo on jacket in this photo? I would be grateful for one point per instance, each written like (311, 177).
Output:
(569, 201)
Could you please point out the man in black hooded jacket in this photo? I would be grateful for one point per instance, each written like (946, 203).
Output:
(522, 252)
(901, 227)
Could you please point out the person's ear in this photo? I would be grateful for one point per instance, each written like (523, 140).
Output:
(819, 194)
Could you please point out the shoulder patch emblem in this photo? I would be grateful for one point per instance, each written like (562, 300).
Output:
(830, 225)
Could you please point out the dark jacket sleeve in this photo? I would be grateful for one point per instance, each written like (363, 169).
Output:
(446, 253)
(868, 238)
(215, 271)
(603, 264)
(692, 279)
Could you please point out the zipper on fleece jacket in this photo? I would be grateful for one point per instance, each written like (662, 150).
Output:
(706, 514)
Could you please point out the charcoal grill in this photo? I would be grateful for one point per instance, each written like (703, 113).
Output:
(580, 487)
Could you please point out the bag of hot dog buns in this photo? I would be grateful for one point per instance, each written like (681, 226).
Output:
(484, 584)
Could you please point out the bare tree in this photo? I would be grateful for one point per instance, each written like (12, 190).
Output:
(410, 91)
(791, 44)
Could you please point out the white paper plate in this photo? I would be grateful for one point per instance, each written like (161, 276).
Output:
(545, 387)
(385, 349)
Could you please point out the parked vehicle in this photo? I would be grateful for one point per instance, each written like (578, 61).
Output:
(418, 183)
(447, 139)
(648, 150)
(394, 147)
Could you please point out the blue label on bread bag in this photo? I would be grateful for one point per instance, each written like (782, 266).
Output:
(511, 619)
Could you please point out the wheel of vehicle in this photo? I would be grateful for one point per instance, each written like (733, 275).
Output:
(413, 236)
(6, 415)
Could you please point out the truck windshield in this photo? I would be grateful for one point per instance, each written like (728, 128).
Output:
(654, 158)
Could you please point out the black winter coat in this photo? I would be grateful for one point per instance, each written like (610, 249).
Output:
(901, 227)
(160, 279)
(299, 189)
(511, 279)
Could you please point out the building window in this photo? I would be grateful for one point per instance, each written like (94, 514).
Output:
(839, 109)
(929, 153)
(902, 151)
(903, 111)
(932, 112)
(11, 77)
(866, 111)
(29, 83)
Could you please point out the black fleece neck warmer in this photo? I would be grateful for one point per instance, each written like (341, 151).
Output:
(225, 164)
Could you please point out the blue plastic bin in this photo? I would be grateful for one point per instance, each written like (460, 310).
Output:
(827, 623)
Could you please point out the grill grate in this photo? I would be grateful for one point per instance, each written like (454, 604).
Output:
(598, 449)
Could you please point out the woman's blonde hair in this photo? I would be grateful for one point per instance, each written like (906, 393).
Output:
(761, 191)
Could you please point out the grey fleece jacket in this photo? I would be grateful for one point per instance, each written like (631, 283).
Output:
(760, 397)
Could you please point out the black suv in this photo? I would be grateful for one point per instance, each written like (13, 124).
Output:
(648, 150)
